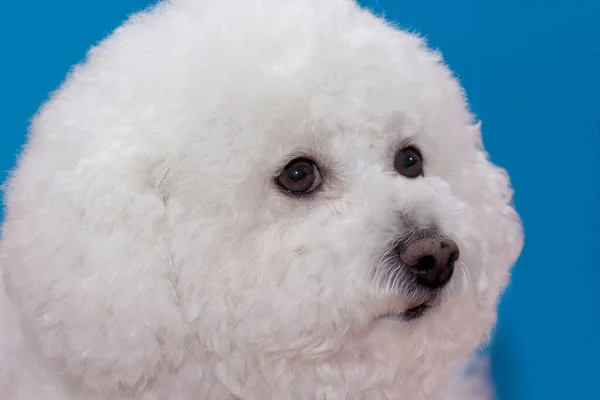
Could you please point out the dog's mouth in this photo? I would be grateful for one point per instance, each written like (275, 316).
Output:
(406, 315)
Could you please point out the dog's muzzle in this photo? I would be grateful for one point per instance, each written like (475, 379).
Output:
(418, 267)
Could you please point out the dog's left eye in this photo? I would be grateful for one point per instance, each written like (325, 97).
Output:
(300, 176)
(409, 162)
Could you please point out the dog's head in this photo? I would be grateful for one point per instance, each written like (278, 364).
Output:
(294, 187)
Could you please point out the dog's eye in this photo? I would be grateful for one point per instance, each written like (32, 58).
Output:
(300, 176)
(408, 162)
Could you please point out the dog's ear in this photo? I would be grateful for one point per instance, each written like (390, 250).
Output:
(498, 219)
(85, 250)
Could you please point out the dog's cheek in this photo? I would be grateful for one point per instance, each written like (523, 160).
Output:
(87, 261)
(498, 220)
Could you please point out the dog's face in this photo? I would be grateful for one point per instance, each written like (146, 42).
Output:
(308, 190)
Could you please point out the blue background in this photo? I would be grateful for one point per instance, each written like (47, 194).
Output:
(531, 69)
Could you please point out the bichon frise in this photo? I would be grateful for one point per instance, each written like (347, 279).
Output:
(252, 199)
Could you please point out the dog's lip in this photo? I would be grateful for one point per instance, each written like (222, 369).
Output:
(411, 313)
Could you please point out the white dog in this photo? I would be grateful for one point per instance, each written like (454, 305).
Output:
(252, 199)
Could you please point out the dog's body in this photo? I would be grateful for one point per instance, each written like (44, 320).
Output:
(234, 199)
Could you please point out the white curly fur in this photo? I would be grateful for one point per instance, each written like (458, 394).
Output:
(147, 254)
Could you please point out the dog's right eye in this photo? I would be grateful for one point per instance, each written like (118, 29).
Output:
(300, 176)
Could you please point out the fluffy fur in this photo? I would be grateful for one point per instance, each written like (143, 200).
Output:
(146, 252)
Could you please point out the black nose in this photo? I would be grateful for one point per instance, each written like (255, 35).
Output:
(431, 260)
